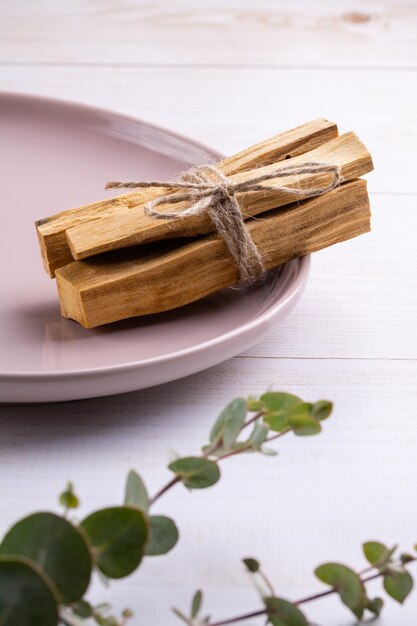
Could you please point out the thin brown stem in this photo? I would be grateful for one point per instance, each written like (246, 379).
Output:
(278, 435)
(233, 453)
(253, 419)
(164, 489)
(212, 449)
(267, 582)
(315, 596)
(241, 618)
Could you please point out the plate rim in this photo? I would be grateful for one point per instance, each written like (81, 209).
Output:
(264, 317)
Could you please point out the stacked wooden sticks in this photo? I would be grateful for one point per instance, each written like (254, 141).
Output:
(105, 273)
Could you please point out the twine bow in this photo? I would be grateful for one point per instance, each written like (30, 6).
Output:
(209, 191)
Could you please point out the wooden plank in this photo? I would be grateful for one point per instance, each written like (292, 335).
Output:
(221, 32)
(382, 117)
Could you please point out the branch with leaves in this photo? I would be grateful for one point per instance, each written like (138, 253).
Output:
(349, 585)
(47, 560)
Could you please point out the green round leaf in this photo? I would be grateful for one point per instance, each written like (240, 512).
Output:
(135, 492)
(229, 423)
(276, 421)
(347, 583)
(57, 547)
(377, 553)
(82, 608)
(321, 410)
(277, 401)
(280, 419)
(118, 536)
(283, 613)
(251, 564)
(304, 425)
(27, 597)
(163, 535)
(195, 472)
(68, 499)
(375, 606)
(398, 584)
(254, 405)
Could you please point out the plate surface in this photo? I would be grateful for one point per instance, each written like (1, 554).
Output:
(56, 155)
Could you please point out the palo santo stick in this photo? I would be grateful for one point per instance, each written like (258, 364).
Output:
(134, 227)
(51, 230)
(129, 283)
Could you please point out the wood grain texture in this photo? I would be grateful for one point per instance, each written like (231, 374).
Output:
(345, 33)
(352, 338)
(52, 231)
(102, 290)
(133, 227)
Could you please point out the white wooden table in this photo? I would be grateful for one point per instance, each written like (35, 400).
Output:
(231, 73)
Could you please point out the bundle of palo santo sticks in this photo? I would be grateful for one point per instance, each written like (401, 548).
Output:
(302, 184)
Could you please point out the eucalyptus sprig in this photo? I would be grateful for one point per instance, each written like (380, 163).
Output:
(47, 560)
(349, 585)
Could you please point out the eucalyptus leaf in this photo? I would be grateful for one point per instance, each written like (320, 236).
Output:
(321, 410)
(254, 405)
(278, 401)
(196, 603)
(276, 421)
(375, 606)
(304, 425)
(229, 423)
(377, 554)
(252, 565)
(57, 546)
(82, 608)
(280, 419)
(258, 435)
(347, 583)
(68, 499)
(135, 491)
(268, 451)
(398, 584)
(27, 596)
(195, 472)
(118, 536)
(284, 613)
(163, 535)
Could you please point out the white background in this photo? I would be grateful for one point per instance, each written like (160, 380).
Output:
(232, 73)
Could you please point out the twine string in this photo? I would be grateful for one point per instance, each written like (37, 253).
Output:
(208, 191)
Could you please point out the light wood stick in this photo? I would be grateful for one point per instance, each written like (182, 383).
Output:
(51, 230)
(130, 283)
(134, 227)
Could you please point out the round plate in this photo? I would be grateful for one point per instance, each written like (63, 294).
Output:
(57, 155)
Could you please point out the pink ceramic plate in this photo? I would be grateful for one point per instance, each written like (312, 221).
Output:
(55, 155)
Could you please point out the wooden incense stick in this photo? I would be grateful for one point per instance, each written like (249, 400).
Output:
(111, 287)
(51, 231)
(134, 227)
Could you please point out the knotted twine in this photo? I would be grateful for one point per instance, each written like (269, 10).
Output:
(209, 191)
